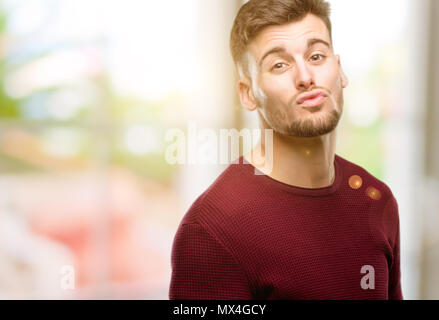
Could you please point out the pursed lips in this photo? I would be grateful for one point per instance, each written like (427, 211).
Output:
(312, 98)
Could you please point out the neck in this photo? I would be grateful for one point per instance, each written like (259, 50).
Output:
(301, 162)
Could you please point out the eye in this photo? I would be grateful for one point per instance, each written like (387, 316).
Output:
(317, 57)
(278, 66)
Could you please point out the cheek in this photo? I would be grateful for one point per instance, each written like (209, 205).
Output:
(332, 79)
(330, 83)
(278, 89)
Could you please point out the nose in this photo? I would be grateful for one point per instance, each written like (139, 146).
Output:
(303, 77)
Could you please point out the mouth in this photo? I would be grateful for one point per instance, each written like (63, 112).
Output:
(312, 99)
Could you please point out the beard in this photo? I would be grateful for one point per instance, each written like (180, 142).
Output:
(316, 122)
(308, 128)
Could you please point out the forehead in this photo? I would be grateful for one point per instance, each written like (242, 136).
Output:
(292, 35)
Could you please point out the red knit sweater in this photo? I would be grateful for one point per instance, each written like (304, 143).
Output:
(251, 237)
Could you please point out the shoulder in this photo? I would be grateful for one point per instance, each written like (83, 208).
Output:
(223, 199)
(377, 196)
(215, 217)
(372, 185)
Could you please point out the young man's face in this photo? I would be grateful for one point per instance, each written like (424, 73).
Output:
(299, 62)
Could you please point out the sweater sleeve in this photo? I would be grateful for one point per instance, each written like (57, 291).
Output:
(395, 292)
(202, 269)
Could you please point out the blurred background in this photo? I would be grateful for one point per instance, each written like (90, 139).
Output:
(89, 206)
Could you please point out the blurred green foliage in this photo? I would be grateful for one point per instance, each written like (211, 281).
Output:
(108, 115)
(9, 108)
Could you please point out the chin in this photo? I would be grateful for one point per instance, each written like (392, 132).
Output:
(313, 126)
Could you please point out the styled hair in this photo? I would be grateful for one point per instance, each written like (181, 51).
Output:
(256, 15)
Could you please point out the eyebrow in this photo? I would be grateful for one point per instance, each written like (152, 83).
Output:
(278, 49)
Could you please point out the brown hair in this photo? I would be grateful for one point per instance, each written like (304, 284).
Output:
(256, 15)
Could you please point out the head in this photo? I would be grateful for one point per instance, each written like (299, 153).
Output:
(283, 50)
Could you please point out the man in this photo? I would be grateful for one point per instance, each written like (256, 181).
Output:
(316, 226)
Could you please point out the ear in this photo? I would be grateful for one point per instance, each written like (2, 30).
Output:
(246, 94)
(344, 79)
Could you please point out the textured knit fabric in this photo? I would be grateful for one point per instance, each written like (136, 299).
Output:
(249, 236)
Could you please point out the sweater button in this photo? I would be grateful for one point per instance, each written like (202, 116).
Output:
(355, 182)
(373, 193)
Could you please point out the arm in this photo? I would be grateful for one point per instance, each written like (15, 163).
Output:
(395, 292)
(203, 269)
